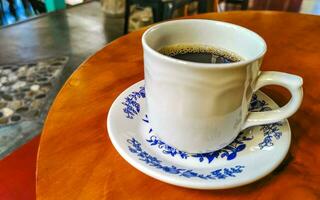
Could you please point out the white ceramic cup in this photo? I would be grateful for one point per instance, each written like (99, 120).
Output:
(198, 107)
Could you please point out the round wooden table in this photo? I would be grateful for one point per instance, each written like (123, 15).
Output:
(76, 159)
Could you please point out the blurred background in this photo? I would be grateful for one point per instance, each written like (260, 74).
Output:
(144, 12)
(43, 41)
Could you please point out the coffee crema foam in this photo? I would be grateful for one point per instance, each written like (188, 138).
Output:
(177, 50)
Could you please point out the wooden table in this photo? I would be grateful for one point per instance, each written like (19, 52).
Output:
(77, 161)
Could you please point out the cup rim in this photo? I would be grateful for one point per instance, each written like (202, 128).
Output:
(201, 65)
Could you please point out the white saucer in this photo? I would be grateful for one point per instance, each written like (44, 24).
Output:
(254, 153)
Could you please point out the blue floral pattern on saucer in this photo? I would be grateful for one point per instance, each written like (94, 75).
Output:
(229, 152)
(270, 131)
(135, 147)
(132, 107)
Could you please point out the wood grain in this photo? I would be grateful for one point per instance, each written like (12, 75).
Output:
(77, 161)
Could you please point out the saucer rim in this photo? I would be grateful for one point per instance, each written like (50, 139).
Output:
(178, 182)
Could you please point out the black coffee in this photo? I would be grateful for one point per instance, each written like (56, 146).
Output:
(199, 53)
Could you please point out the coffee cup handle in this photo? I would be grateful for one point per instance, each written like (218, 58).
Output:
(292, 82)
